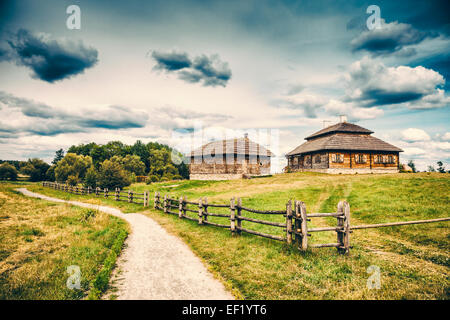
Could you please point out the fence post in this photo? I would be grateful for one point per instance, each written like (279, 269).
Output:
(232, 217)
(200, 211)
(184, 206)
(116, 194)
(130, 196)
(165, 204)
(289, 222)
(343, 222)
(155, 200)
(205, 209)
(301, 227)
(180, 208)
(239, 213)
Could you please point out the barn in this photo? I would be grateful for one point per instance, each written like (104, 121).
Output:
(344, 148)
(229, 159)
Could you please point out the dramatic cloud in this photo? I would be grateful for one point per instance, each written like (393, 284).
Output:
(171, 61)
(414, 134)
(389, 38)
(172, 118)
(313, 105)
(373, 84)
(51, 60)
(38, 118)
(309, 103)
(211, 71)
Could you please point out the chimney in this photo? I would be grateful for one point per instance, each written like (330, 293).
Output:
(342, 118)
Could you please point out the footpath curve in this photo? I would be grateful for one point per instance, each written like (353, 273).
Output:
(155, 265)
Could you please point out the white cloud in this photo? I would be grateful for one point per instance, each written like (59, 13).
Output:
(414, 134)
(371, 83)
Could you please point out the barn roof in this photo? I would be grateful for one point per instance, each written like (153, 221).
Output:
(343, 141)
(242, 146)
(344, 127)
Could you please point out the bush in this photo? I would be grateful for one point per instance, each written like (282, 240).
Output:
(90, 179)
(112, 175)
(72, 180)
(152, 178)
(72, 164)
(8, 172)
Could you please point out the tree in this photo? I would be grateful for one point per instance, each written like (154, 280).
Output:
(72, 165)
(90, 179)
(133, 164)
(8, 172)
(59, 155)
(412, 165)
(441, 167)
(431, 169)
(36, 169)
(112, 175)
(50, 174)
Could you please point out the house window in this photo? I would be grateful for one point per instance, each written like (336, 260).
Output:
(360, 158)
(317, 159)
(391, 159)
(378, 158)
(308, 159)
(337, 157)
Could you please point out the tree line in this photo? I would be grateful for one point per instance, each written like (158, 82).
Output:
(111, 165)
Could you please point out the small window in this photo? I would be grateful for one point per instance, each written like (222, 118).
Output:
(360, 158)
(337, 158)
(317, 159)
(391, 159)
(308, 159)
(378, 158)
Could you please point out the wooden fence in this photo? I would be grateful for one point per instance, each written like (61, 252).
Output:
(295, 227)
(117, 195)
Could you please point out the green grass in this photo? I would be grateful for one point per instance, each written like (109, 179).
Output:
(413, 259)
(40, 239)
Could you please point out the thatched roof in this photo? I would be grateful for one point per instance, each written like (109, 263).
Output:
(343, 136)
(345, 127)
(240, 146)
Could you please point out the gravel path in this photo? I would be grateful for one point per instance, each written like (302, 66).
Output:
(155, 264)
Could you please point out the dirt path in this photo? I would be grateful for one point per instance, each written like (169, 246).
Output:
(155, 264)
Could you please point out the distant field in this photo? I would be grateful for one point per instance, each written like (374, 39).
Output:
(40, 239)
(414, 260)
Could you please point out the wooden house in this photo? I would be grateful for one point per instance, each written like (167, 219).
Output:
(344, 148)
(229, 159)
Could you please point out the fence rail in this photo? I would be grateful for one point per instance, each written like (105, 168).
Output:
(118, 195)
(295, 226)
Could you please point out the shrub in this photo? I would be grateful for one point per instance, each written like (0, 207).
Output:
(72, 180)
(72, 164)
(152, 178)
(90, 179)
(112, 175)
(8, 172)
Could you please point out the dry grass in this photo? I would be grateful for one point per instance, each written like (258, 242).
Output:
(414, 260)
(39, 240)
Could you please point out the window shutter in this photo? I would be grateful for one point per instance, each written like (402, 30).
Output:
(356, 158)
(365, 158)
(333, 157)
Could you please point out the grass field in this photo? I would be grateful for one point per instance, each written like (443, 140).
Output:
(40, 239)
(414, 260)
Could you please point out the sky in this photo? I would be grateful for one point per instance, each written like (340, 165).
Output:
(150, 70)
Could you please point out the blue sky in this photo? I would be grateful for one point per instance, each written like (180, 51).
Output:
(146, 69)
